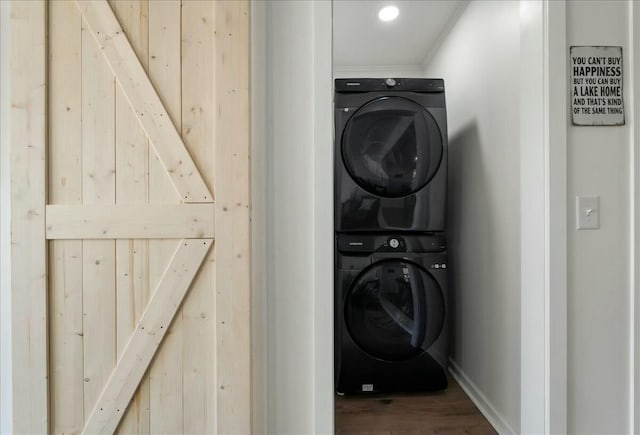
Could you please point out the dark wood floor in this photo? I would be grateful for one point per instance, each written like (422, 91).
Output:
(448, 412)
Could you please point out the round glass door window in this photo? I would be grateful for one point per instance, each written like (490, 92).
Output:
(392, 147)
(394, 310)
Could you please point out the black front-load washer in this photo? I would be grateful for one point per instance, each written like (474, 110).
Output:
(391, 313)
(391, 155)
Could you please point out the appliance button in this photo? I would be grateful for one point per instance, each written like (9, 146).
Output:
(390, 82)
(394, 243)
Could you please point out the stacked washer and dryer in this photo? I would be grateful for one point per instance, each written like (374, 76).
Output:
(392, 309)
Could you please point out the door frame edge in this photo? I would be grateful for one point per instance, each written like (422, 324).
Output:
(543, 130)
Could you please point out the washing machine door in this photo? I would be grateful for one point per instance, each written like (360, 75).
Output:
(394, 310)
(392, 147)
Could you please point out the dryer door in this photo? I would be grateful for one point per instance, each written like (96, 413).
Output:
(391, 147)
(394, 310)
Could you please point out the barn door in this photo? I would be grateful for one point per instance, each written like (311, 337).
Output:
(138, 220)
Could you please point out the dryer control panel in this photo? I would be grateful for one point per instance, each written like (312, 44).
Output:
(391, 83)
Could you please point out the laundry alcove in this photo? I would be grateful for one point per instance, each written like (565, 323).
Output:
(461, 43)
(483, 87)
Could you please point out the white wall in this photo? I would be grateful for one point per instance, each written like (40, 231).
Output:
(6, 423)
(290, 219)
(350, 72)
(299, 245)
(480, 63)
(598, 158)
(635, 220)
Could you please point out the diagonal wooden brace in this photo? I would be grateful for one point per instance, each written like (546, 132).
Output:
(146, 338)
(144, 100)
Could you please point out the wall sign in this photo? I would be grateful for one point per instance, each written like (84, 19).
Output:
(596, 85)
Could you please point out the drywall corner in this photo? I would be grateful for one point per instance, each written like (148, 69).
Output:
(259, 271)
(323, 412)
(445, 33)
(299, 229)
(497, 420)
(479, 60)
(634, 58)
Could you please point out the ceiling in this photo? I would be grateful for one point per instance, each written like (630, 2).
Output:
(360, 39)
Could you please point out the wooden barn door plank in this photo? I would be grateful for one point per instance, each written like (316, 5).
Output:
(28, 195)
(164, 71)
(65, 187)
(232, 215)
(145, 101)
(132, 170)
(198, 132)
(148, 335)
(98, 187)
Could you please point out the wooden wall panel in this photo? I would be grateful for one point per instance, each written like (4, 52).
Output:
(65, 187)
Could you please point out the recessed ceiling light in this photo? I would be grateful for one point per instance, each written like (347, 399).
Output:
(388, 13)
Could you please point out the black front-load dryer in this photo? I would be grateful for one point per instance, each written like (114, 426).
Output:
(391, 313)
(391, 155)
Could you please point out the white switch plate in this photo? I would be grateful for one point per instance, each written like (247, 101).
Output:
(588, 212)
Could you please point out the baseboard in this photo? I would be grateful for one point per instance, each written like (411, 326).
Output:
(480, 400)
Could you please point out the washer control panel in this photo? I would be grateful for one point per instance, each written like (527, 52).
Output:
(369, 243)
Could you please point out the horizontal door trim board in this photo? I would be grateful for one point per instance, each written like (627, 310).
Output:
(146, 338)
(143, 221)
(144, 101)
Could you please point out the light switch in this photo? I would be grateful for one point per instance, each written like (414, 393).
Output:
(588, 212)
